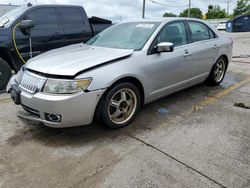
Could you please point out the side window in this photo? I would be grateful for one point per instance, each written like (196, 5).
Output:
(212, 35)
(175, 33)
(199, 31)
(71, 17)
(44, 18)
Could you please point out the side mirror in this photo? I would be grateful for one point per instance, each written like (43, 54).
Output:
(26, 25)
(165, 47)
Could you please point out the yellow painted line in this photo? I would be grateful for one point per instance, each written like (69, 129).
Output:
(212, 99)
(5, 100)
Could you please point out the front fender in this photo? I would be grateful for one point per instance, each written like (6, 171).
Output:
(105, 76)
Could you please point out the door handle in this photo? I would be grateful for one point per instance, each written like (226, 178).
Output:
(187, 53)
(216, 46)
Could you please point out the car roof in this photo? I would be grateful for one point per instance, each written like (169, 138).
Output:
(54, 5)
(163, 20)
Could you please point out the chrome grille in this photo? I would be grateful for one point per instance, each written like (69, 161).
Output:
(31, 82)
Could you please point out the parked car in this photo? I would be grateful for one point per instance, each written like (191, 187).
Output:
(55, 26)
(221, 26)
(119, 70)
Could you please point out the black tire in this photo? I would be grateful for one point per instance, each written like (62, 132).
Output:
(215, 79)
(5, 74)
(104, 109)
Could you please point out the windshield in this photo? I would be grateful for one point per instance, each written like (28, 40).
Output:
(8, 18)
(132, 35)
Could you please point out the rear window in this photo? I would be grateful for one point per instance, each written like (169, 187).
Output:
(71, 17)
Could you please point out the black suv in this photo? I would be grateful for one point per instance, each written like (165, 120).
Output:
(54, 26)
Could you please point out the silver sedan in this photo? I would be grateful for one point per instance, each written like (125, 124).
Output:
(118, 71)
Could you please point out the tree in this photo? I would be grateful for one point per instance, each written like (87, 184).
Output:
(242, 7)
(169, 14)
(194, 13)
(215, 12)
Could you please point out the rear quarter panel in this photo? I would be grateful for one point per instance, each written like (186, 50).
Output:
(226, 44)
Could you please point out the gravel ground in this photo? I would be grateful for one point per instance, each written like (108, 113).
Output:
(201, 140)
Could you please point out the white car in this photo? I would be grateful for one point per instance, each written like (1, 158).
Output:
(222, 26)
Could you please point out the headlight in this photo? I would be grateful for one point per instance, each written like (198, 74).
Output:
(59, 86)
(19, 76)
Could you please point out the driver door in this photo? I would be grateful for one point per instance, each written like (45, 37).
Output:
(46, 35)
(169, 71)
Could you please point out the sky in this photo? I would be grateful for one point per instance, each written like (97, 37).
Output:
(119, 10)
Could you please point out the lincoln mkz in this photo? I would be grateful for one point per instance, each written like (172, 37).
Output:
(126, 66)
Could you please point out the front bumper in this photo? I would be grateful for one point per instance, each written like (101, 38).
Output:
(74, 109)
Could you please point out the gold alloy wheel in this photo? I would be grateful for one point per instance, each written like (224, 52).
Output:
(122, 106)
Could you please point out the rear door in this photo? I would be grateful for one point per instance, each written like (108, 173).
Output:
(204, 50)
(169, 71)
(75, 24)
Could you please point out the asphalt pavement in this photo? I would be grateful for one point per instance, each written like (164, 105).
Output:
(199, 137)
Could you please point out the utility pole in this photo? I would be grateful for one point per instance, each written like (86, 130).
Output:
(227, 7)
(189, 7)
(143, 8)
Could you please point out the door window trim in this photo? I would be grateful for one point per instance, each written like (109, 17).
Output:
(149, 51)
(70, 27)
(34, 9)
(209, 29)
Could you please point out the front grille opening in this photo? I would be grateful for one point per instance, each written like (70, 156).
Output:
(31, 111)
(31, 83)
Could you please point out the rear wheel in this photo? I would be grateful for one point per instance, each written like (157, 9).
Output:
(5, 73)
(119, 106)
(218, 72)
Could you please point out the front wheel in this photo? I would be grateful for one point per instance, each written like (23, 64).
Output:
(218, 72)
(5, 74)
(119, 106)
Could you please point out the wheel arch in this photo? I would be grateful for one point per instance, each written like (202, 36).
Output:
(129, 79)
(6, 57)
(132, 80)
(225, 57)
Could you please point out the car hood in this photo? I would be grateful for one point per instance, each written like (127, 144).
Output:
(70, 60)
